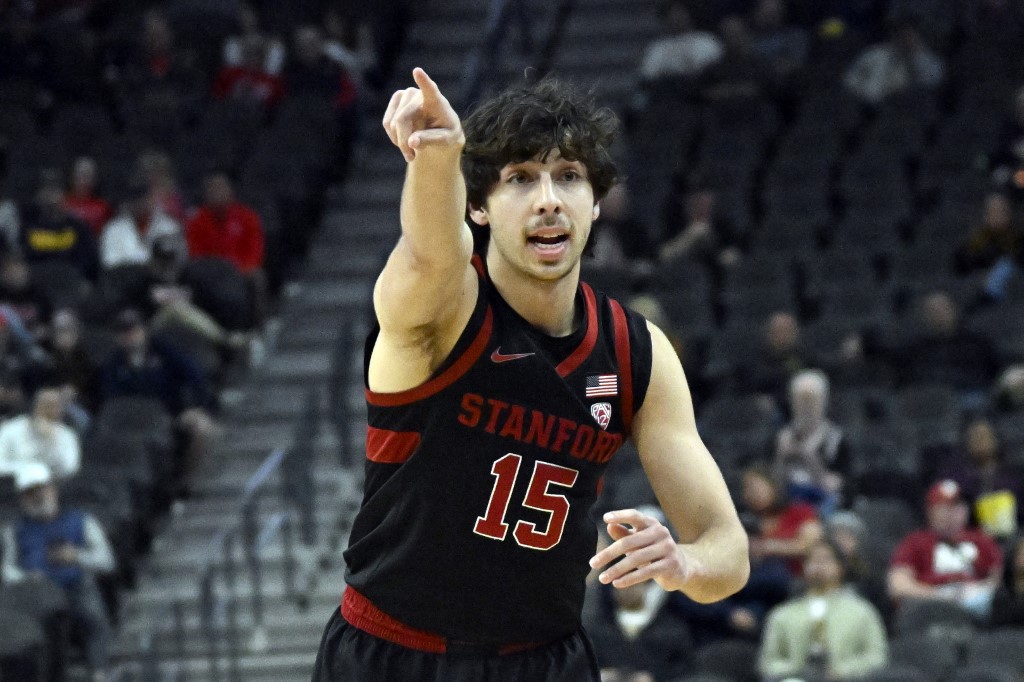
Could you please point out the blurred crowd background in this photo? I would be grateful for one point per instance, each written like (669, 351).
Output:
(820, 204)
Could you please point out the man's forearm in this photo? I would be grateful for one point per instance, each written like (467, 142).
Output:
(434, 206)
(720, 557)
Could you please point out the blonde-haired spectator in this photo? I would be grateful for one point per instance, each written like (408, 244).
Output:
(811, 457)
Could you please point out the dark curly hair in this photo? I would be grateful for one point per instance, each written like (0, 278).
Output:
(524, 121)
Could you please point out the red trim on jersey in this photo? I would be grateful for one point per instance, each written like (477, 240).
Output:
(361, 613)
(622, 355)
(567, 366)
(385, 446)
(443, 380)
(478, 263)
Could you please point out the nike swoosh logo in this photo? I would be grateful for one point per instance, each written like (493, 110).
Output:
(498, 356)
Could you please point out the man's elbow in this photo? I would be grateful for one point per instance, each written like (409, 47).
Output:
(730, 578)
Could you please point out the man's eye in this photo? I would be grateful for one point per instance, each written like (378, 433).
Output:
(517, 178)
(571, 175)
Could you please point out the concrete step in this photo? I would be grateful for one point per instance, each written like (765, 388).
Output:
(372, 193)
(252, 668)
(339, 260)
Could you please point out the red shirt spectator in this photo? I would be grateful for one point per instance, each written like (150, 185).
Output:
(226, 228)
(82, 200)
(250, 81)
(947, 560)
(970, 555)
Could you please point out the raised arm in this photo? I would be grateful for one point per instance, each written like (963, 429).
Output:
(710, 561)
(426, 292)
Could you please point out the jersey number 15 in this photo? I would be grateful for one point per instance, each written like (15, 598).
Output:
(538, 496)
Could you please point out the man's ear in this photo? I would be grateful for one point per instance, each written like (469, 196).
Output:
(597, 210)
(478, 215)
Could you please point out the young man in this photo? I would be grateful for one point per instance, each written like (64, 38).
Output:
(497, 390)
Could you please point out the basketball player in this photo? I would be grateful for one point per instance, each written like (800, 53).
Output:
(498, 388)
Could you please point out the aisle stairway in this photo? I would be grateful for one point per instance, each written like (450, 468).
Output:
(601, 46)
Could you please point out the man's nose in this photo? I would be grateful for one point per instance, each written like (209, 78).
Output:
(547, 199)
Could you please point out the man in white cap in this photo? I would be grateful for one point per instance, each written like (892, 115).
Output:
(65, 546)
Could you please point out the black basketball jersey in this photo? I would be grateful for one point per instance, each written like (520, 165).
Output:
(475, 522)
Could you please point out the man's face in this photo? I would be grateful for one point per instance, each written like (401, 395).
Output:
(783, 332)
(822, 569)
(948, 519)
(758, 492)
(49, 405)
(540, 213)
(132, 339)
(218, 192)
(940, 317)
(982, 441)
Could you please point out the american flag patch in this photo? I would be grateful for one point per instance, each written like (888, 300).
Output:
(602, 384)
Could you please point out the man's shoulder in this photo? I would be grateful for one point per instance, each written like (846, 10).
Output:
(918, 540)
(14, 424)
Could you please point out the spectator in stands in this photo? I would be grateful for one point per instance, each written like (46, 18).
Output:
(1009, 394)
(51, 233)
(780, 533)
(71, 368)
(10, 215)
(847, 532)
(82, 199)
(780, 356)
(42, 437)
(943, 352)
(992, 488)
(349, 43)
(777, 43)
(637, 636)
(66, 546)
(696, 230)
(389, 21)
(313, 73)
(1007, 159)
(781, 530)
(249, 25)
(166, 299)
(226, 228)
(684, 51)
(21, 302)
(829, 633)
(998, 236)
(1008, 602)
(148, 367)
(947, 560)
(811, 454)
(155, 72)
(128, 239)
(158, 170)
(249, 82)
(740, 78)
(901, 63)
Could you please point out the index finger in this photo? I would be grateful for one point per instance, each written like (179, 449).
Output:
(629, 517)
(426, 85)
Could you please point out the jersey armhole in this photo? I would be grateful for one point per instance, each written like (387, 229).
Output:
(467, 350)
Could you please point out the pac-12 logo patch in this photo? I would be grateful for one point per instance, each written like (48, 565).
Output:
(602, 413)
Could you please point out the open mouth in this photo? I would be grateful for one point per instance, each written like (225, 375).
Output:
(548, 241)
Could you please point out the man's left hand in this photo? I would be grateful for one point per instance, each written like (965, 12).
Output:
(647, 551)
